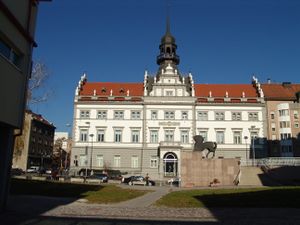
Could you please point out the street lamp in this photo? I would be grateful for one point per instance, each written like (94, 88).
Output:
(253, 136)
(91, 159)
(246, 138)
(253, 149)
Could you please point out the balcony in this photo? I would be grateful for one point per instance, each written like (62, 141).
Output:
(165, 56)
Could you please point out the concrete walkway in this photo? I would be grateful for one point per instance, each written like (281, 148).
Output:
(146, 200)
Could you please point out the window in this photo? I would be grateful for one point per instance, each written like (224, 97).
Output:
(169, 115)
(135, 136)
(83, 135)
(134, 161)
(273, 125)
(169, 135)
(283, 112)
(203, 134)
(184, 115)
(284, 124)
(296, 125)
(10, 54)
(135, 115)
(117, 161)
(220, 137)
(100, 135)
(202, 115)
(184, 136)
(253, 135)
(237, 137)
(154, 115)
(153, 162)
(236, 116)
(272, 114)
(82, 160)
(118, 135)
(118, 115)
(169, 93)
(102, 115)
(153, 136)
(253, 116)
(285, 136)
(99, 160)
(296, 115)
(84, 114)
(219, 116)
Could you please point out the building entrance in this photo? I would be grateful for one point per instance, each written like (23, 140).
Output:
(170, 164)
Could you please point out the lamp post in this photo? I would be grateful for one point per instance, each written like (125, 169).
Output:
(246, 138)
(91, 157)
(253, 149)
(253, 136)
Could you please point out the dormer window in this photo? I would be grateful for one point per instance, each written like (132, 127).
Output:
(122, 90)
(103, 90)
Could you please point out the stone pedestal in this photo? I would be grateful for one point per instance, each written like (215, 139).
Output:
(199, 172)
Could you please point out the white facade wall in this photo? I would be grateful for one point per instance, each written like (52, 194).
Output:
(145, 150)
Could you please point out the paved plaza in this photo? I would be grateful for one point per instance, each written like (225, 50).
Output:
(45, 210)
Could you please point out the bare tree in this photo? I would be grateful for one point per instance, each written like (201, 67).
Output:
(35, 92)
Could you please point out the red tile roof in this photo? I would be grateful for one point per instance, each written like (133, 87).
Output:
(118, 89)
(279, 91)
(219, 90)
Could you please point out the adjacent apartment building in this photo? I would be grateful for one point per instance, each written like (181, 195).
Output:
(283, 118)
(35, 146)
(144, 127)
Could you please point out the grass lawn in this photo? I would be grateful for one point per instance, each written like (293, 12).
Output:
(272, 197)
(93, 193)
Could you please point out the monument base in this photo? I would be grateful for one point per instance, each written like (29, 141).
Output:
(199, 172)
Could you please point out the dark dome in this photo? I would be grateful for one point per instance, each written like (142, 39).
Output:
(167, 38)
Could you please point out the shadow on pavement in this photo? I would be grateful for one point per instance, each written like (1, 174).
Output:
(273, 206)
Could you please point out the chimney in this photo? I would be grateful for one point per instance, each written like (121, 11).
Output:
(269, 81)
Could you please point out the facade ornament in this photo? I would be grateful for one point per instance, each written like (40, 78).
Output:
(226, 94)
(77, 91)
(127, 93)
(95, 92)
(111, 92)
(243, 94)
(210, 94)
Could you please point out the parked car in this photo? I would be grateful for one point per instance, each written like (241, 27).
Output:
(126, 180)
(33, 169)
(48, 171)
(137, 180)
(99, 177)
(174, 181)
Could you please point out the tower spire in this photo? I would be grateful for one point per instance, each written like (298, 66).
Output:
(168, 25)
(168, 18)
(167, 47)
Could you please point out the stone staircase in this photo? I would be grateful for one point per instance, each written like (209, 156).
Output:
(254, 176)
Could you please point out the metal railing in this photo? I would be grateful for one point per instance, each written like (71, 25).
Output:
(272, 162)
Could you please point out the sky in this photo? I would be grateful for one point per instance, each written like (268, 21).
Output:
(219, 41)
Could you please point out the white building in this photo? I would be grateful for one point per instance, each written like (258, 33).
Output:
(143, 127)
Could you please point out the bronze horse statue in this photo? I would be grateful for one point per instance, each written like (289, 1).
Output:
(201, 146)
